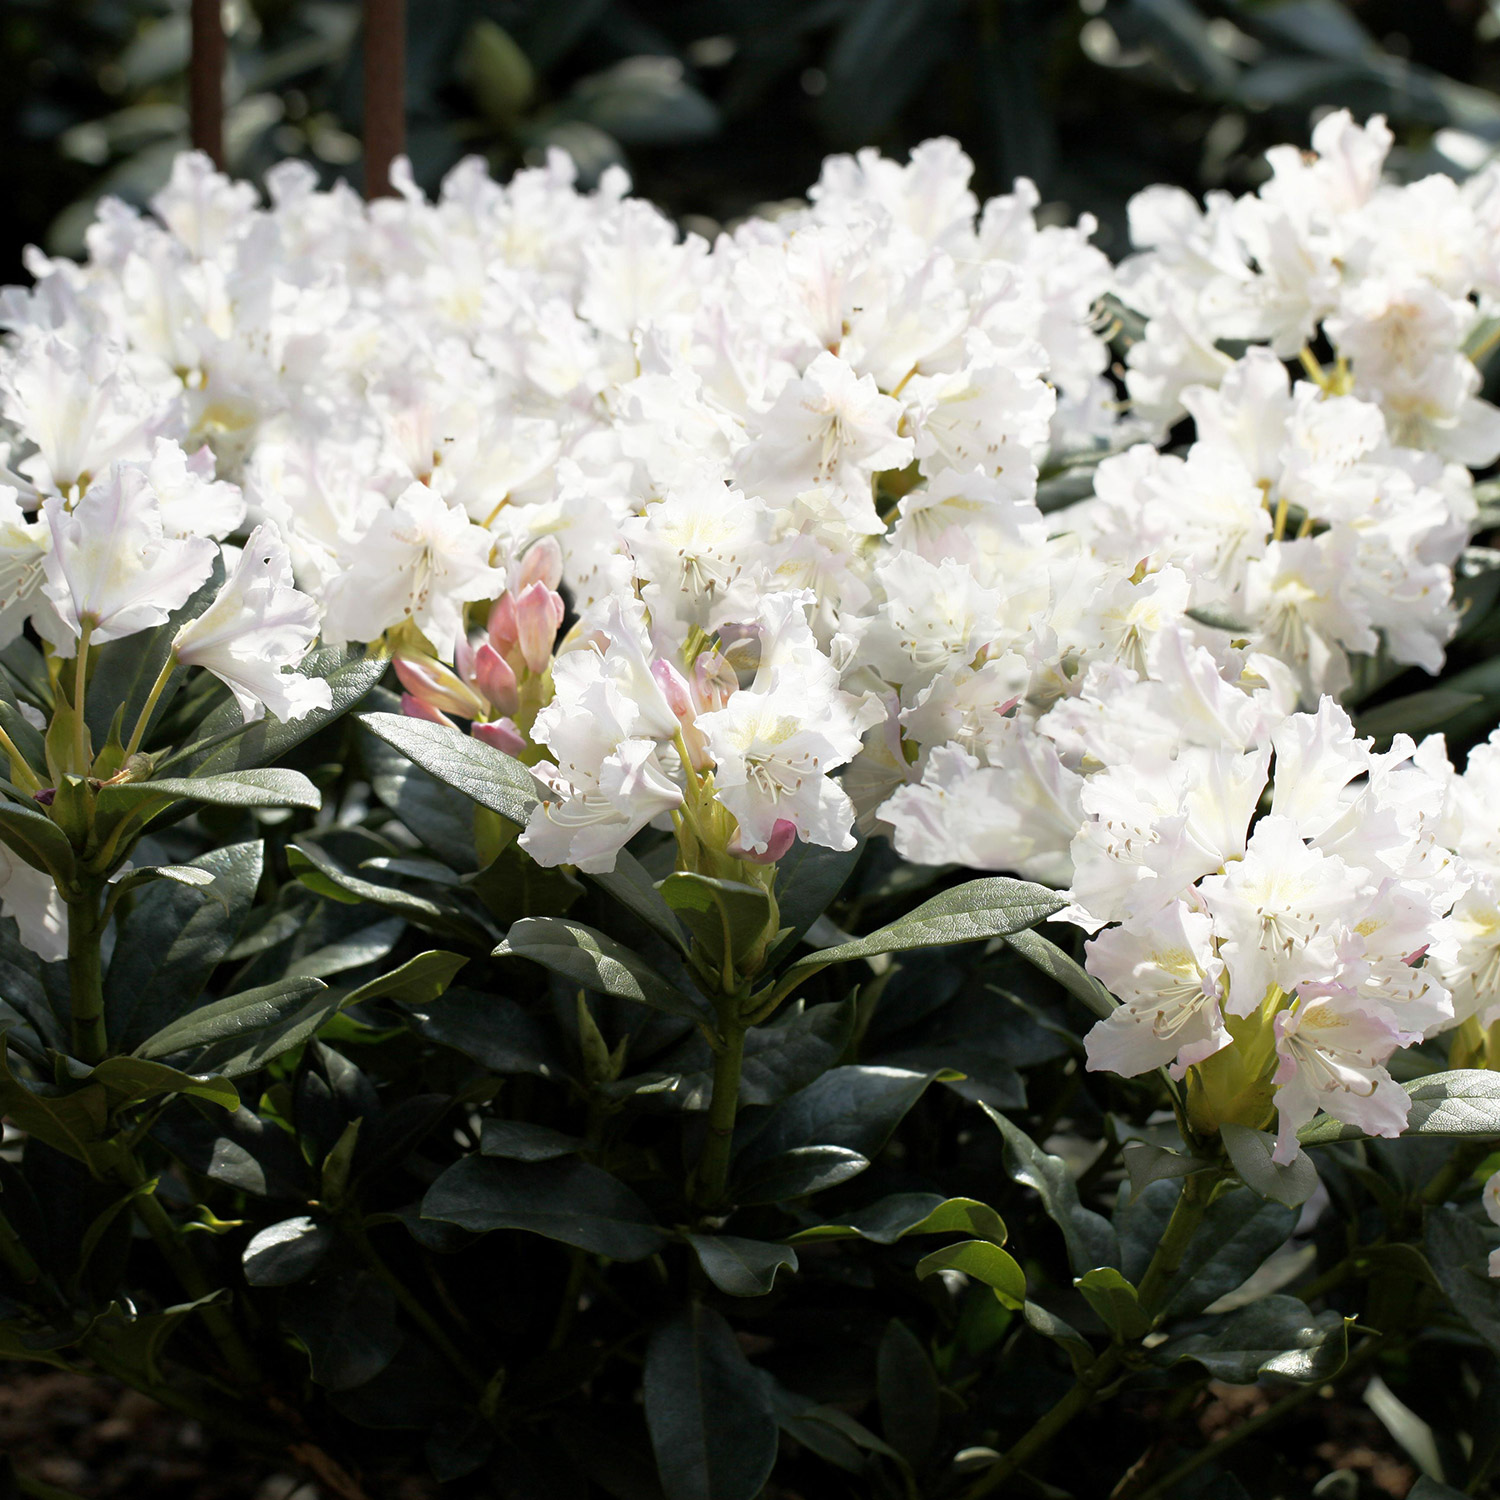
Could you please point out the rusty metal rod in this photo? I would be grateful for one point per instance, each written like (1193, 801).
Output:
(385, 92)
(206, 80)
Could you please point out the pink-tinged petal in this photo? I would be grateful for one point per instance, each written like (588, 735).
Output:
(539, 614)
(414, 708)
(501, 734)
(675, 689)
(543, 563)
(435, 686)
(501, 627)
(495, 680)
(783, 836)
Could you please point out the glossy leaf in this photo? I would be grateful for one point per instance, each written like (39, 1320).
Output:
(1465, 1102)
(1250, 1151)
(1274, 1336)
(798, 1172)
(710, 1420)
(564, 1200)
(596, 961)
(244, 1031)
(290, 1251)
(906, 1387)
(984, 1261)
(273, 787)
(1115, 1301)
(741, 1267)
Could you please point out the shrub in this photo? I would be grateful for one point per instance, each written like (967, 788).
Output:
(629, 1091)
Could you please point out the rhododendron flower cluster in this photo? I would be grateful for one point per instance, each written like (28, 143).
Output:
(759, 542)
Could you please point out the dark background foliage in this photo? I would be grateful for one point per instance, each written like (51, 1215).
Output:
(717, 106)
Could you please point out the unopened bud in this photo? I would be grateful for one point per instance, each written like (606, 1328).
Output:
(414, 708)
(501, 734)
(539, 615)
(674, 688)
(502, 623)
(432, 683)
(783, 836)
(493, 677)
(543, 563)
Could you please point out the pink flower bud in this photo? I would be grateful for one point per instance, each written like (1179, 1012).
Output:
(502, 623)
(675, 689)
(502, 734)
(463, 657)
(414, 708)
(783, 836)
(434, 685)
(539, 614)
(543, 563)
(493, 677)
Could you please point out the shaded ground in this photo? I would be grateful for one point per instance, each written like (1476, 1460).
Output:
(91, 1439)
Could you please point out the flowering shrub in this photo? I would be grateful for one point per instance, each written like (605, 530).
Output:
(748, 645)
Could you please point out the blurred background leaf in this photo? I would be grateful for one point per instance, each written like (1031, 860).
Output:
(720, 106)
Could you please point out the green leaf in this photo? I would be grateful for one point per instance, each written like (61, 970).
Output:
(906, 1387)
(1458, 1250)
(1465, 1102)
(590, 958)
(1274, 1336)
(245, 1031)
(725, 916)
(519, 1140)
(740, 1267)
(1238, 1233)
(992, 907)
(630, 885)
(320, 872)
(274, 787)
(644, 101)
(1045, 955)
(37, 840)
(709, 1416)
(1147, 1164)
(190, 875)
(347, 1324)
(1250, 1151)
(796, 1173)
(1090, 1238)
(983, 1261)
(223, 742)
(498, 73)
(171, 940)
(290, 1251)
(1116, 1302)
(892, 1218)
(483, 774)
(419, 981)
(564, 1200)
(1078, 1349)
(130, 1079)
(70, 1122)
(808, 879)
(856, 1107)
(1415, 713)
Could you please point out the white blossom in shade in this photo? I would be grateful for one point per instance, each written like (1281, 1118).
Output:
(1169, 981)
(256, 630)
(1331, 1053)
(827, 426)
(31, 897)
(421, 561)
(112, 566)
(23, 549)
(1019, 811)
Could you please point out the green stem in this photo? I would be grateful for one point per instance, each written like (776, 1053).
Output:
(1456, 1171)
(152, 698)
(15, 1256)
(1192, 1204)
(85, 972)
(1248, 1428)
(190, 1275)
(712, 1178)
(80, 695)
(20, 768)
(1081, 1396)
(414, 1309)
